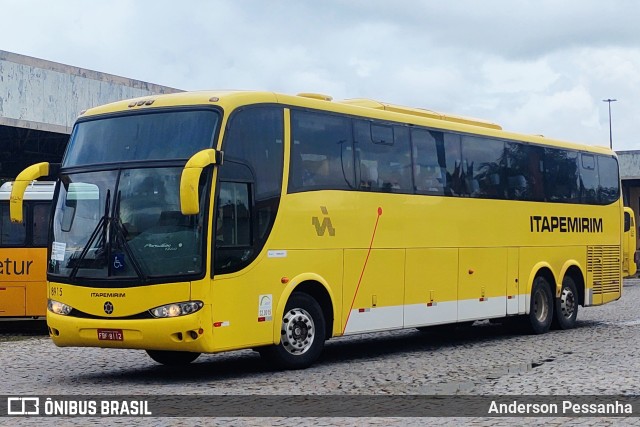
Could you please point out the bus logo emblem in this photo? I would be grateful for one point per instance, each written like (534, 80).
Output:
(325, 226)
(108, 307)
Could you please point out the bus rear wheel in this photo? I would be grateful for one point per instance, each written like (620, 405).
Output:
(302, 334)
(541, 306)
(172, 358)
(566, 311)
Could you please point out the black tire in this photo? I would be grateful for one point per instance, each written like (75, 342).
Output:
(566, 307)
(541, 306)
(172, 358)
(302, 335)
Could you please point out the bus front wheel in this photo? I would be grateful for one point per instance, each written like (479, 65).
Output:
(172, 358)
(566, 311)
(541, 306)
(302, 334)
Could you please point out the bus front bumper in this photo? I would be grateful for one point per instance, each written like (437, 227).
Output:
(192, 332)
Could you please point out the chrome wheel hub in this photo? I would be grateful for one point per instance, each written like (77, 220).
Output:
(567, 302)
(298, 331)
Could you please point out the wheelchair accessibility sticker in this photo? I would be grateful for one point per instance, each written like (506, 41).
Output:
(118, 261)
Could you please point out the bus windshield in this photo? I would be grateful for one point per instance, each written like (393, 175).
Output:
(165, 135)
(132, 229)
(125, 222)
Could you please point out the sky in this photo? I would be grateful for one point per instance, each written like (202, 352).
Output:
(535, 67)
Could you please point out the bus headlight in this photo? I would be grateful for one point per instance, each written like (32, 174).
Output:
(58, 307)
(176, 309)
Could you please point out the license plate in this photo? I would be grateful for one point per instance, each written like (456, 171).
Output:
(110, 335)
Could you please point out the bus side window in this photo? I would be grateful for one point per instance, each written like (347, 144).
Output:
(233, 247)
(608, 189)
(627, 222)
(11, 234)
(429, 173)
(40, 223)
(589, 181)
(561, 176)
(384, 156)
(483, 167)
(321, 152)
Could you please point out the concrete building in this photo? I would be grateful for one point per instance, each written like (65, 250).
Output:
(629, 162)
(40, 100)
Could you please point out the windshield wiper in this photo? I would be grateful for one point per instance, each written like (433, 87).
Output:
(120, 231)
(100, 227)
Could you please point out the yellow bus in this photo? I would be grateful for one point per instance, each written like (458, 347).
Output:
(23, 253)
(210, 221)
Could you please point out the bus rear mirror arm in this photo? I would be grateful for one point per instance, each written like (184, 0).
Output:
(189, 198)
(22, 181)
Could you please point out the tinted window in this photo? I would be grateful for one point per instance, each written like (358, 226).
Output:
(382, 157)
(11, 234)
(40, 223)
(250, 185)
(589, 181)
(482, 167)
(561, 176)
(524, 172)
(627, 222)
(455, 179)
(609, 190)
(152, 136)
(233, 220)
(255, 138)
(321, 152)
(429, 162)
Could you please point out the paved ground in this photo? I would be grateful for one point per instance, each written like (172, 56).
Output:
(598, 357)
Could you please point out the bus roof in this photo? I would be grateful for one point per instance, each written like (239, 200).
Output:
(229, 100)
(37, 190)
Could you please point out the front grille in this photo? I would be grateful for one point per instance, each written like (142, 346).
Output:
(83, 315)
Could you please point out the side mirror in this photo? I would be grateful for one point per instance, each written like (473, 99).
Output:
(189, 198)
(24, 178)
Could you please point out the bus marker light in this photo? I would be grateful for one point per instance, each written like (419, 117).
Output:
(364, 310)
(284, 280)
(219, 324)
(214, 99)
(201, 331)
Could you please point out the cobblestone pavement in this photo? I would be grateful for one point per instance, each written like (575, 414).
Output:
(598, 357)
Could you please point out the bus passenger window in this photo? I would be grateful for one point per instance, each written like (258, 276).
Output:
(11, 233)
(609, 187)
(483, 167)
(524, 179)
(383, 157)
(429, 175)
(321, 152)
(40, 223)
(561, 177)
(589, 180)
